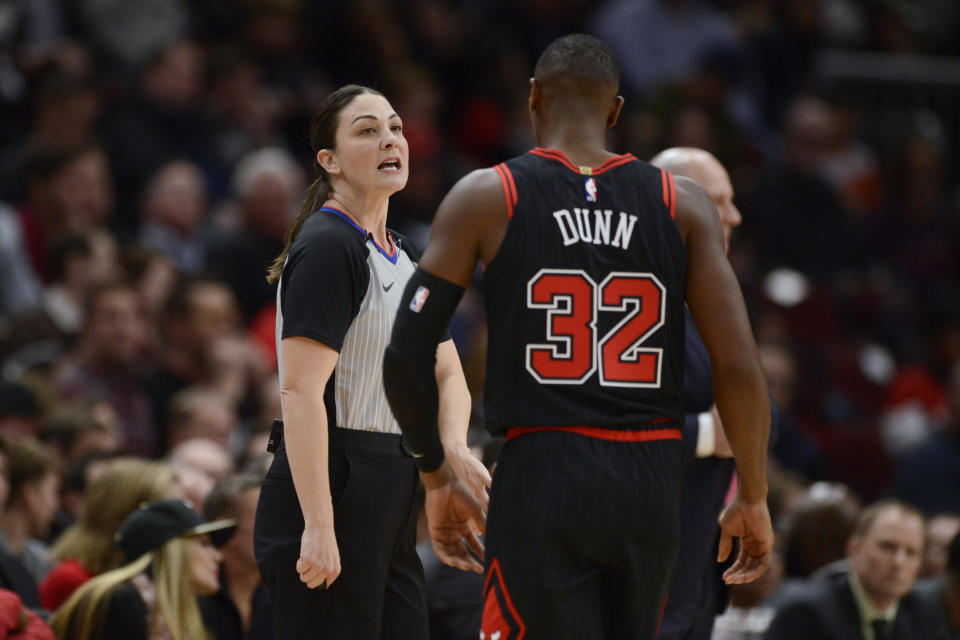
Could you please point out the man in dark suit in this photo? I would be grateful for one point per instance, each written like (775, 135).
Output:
(873, 600)
(697, 590)
(942, 594)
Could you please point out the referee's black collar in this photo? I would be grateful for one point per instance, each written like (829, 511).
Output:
(392, 257)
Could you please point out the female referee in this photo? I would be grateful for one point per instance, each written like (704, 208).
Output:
(335, 526)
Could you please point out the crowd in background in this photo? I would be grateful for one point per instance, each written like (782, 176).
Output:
(152, 154)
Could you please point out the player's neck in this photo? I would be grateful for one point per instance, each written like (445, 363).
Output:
(584, 148)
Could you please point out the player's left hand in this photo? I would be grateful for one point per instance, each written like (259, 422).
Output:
(749, 521)
(455, 519)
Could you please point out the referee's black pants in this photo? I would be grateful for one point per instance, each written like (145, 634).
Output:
(380, 593)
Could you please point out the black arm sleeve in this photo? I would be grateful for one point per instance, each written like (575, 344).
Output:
(409, 379)
(323, 285)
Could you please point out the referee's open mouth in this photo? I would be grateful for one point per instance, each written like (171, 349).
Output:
(390, 165)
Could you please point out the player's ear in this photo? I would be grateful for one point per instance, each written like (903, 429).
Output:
(534, 100)
(328, 161)
(614, 113)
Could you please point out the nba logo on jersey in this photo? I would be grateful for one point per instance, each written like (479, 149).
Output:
(590, 186)
(419, 298)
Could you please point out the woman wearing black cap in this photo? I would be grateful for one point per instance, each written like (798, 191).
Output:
(171, 559)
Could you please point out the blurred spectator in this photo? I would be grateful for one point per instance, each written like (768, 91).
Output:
(31, 504)
(82, 473)
(244, 110)
(126, 34)
(107, 364)
(13, 573)
(18, 622)
(669, 36)
(201, 414)
(942, 594)
(171, 559)
(783, 38)
(817, 529)
(910, 232)
(240, 610)
(20, 288)
(794, 448)
(929, 476)
(72, 431)
(19, 410)
(160, 123)
(795, 210)
(65, 114)
(872, 600)
(154, 276)
(87, 548)
(200, 464)
(78, 262)
(852, 167)
(203, 347)
(69, 189)
(172, 212)
(941, 530)
(269, 185)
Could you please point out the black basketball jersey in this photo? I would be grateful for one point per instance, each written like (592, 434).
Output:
(585, 297)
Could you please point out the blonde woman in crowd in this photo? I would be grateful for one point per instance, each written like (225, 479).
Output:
(87, 548)
(171, 559)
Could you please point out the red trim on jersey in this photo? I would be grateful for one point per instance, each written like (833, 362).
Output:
(509, 187)
(669, 193)
(555, 155)
(660, 619)
(495, 568)
(601, 433)
(614, 162)
(673, 197)
(559, 156)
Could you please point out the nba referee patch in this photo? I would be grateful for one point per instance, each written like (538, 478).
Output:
(590, 186)
(419, 298)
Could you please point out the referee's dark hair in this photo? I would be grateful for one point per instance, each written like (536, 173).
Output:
(323, 135)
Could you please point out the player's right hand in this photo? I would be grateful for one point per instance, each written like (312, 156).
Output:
(749, 521)
(319, 563)
(455, 519)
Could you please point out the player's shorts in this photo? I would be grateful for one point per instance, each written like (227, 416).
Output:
(582, 536)
(380, 593)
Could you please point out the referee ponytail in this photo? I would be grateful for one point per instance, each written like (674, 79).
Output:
(323, 135)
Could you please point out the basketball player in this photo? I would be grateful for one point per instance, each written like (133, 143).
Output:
(587, 257)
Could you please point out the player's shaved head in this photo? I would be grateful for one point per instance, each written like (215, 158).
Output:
(578, 67)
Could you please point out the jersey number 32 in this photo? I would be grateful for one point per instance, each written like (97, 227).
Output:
(572, 353)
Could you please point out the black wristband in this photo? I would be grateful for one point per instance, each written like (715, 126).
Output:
(409, 377)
